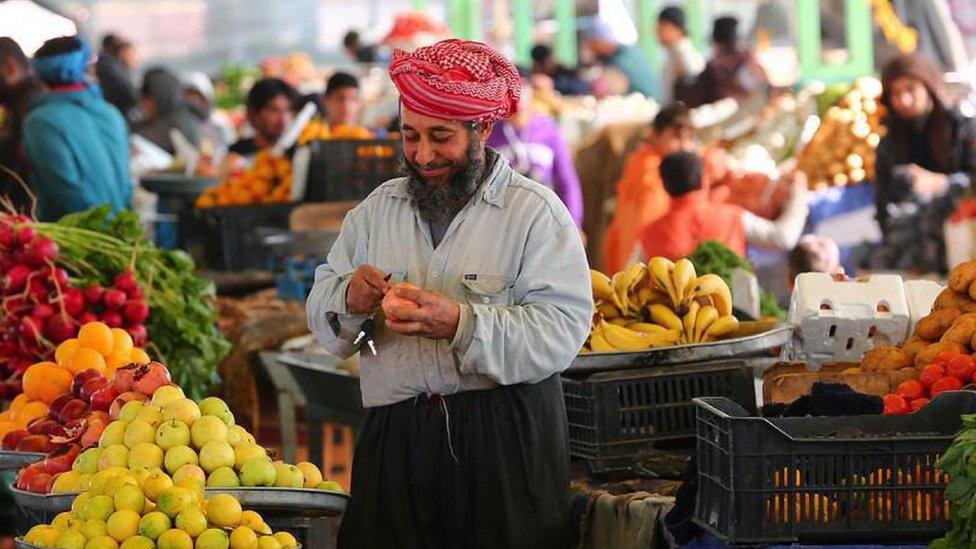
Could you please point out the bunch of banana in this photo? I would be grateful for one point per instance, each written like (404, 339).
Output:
(658, 304)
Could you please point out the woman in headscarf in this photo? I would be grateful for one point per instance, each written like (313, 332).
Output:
(165, 109)
(924, 163)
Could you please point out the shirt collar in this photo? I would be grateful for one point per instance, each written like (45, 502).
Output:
(492, 190)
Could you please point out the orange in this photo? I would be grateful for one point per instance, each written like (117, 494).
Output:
(86, 359)
(122, 342)
(65, 350)
(6, 427)
(31, 411)
(139, 356)
(46, 381)
(6, 416)
(18, 401)
(97, 336)
(116, 360)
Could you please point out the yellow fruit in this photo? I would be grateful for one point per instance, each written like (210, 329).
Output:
(102, 542)
(66, 482)
(243, 538)
(213, 539)
(175, 500)
(174, 539)
(254, 521)
(122, 525)
(138, 542)
(98, 337)
(152, 525)
(113, 484)
(93, 528)
(71, 540)
(268, 542)
(223, 510)
(65, 350)
(154, 484)
(86, 359)
(42, 536)
(121, 342)
(63, 521)
(312, 474)
(129, 496)
(98, 507)
(192, 521)
(286, 540)
(139, 356)
(79, 503)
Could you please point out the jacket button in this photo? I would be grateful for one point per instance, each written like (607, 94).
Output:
(486, 300)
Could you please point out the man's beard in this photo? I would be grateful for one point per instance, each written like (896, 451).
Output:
(439, 203)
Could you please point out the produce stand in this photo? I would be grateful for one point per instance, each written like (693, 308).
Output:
(312, 516)
(40, 508)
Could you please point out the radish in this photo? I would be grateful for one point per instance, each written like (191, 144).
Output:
(112, 319)
(126, 282)
(139, 334)
(94, 294)
(6, 238)
(58, 276)
(42, 311)
(136, 311)
(74, 301)
(59, 329)
(40, 251)
(30, 328)
(25, 234)
(38, 290)
(16, 278)
(14, 305)
(86, 317)
(114, 299)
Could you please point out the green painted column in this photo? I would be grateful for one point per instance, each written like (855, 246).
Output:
(524, 30)
(419, 5)
(566, 47)
(465, 18)
(857, 20)
(647, 11)
(695, 23)
(475, 20)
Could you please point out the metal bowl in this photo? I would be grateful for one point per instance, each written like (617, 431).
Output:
(15, 460)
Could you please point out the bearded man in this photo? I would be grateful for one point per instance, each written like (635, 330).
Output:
(464, 443)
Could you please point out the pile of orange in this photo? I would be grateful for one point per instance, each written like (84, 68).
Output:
(97, 347)
(318, 130)
(268, 181)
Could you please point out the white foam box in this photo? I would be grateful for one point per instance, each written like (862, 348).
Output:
(841, 320)
(921, 295)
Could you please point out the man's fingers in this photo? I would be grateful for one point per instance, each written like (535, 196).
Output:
(404, 328)
(410, 294)
(375, 278)
(404, 314)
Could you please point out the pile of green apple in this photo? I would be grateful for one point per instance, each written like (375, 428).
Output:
(148, 510)
(173, 434)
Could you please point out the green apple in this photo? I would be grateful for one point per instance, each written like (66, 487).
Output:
(145, 455)
(213, 406)
(116, 455)
(130, 410)
(166, 394)
(208, 429)
(151, 414)
(178, 456)
(182, 409)
(288, 476)
(138, 432)
(216, 454)
(190, 471)
(237, 435)
(258, 472)
(246, 451)
(172, 433)
(153, 524)
(114, 433)
(87, 461)
(223, 477)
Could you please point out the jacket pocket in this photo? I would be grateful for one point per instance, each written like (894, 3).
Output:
(488, 289)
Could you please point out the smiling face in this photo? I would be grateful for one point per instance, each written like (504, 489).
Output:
(437, 149)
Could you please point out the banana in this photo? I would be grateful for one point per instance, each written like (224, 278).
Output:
(608, 310)
(620, 321)
(646, 327)
(663, 315)
(625, 339)
(683, 278)
(602, 288)
(660, 269)
(713, 286)
(636, 274)
(689, 320)
(620, 292)
(648, 295)
(599, 344)
(722, 326)
(706, 316)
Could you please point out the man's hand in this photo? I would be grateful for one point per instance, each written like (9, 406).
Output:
(926, 183)
(366, 289)
(436, 315)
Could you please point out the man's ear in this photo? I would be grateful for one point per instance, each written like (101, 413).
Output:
(485, 130)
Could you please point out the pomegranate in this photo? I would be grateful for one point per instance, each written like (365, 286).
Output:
(13, 438)
(43, 426)
(101, 400)
(61, 459)
(74, 409)
(26, 475)
(55, 408)
(81, 378)
(36, 443)
(150, 377)
(71, 432)
(93, 432)
(91, 387)
(40, 483)
(125, 377)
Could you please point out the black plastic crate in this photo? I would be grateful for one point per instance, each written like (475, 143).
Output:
(616, 418)
(848, 479)
(350, 169)
(234, 239)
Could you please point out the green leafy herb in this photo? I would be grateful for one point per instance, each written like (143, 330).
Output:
(713, 257)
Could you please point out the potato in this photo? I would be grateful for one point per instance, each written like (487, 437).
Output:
(961, 277)
(952, 300)
(935, 324)
(853, 371)
(972, 290)
(927, 355)
(885, 358)
(961, 330)
(913, 346)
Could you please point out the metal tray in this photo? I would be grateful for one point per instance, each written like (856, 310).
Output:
(171, 184)
(48, 503)
(772, 336)
(290, 501)
(11, 461)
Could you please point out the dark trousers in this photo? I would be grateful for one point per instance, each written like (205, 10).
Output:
(499, 479)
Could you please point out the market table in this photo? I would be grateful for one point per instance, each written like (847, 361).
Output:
(177, 194)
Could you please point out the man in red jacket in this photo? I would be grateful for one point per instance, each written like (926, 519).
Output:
(694, 219)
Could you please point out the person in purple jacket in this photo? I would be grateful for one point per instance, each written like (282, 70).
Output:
(534, 147)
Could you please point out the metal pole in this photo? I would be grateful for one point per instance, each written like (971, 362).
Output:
(522, 14)
(566, 49)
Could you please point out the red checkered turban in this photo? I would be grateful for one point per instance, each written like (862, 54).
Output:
(457, 80)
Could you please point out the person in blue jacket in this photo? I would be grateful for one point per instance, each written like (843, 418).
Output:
(76, 143)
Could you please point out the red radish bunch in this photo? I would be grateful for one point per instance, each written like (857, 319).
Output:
(40, 308)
